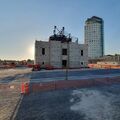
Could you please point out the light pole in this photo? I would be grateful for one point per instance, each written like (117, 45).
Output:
(66, 73)
(67, 61)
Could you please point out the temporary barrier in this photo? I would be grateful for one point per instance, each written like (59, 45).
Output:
(24, 88)
(104, 66)
(65, 84)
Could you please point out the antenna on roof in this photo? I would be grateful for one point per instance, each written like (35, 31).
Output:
(63, 29)
(54, 31)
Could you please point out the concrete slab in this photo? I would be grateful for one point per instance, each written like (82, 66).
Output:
(95, 103)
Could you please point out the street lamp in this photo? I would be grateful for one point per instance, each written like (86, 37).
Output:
(67, 66)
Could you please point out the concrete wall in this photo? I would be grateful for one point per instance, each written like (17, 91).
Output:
(76, 60)
(83, 58)
(74, 55)
(39, 58)
(65, 45)
(53, 54)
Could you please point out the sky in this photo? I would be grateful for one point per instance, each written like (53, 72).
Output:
(24, 21)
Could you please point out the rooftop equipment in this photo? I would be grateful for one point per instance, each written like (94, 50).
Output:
(60, 35)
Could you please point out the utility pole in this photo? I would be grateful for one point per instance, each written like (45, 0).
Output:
(67, 66)
(66, 73)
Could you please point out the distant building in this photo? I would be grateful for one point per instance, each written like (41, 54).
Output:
(108, 63)
(107, 58)
(94, 37)
(61, 52)
(111, 58)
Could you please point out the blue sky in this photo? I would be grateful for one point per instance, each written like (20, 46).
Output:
(23, 21)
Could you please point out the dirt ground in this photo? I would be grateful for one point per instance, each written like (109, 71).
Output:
(12, 72)
(10, 90)
(8, 100)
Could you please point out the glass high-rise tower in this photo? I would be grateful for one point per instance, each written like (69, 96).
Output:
(94, 37)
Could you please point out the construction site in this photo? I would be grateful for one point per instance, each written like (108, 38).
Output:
(50, 94)
(60, 85)
(59, 60)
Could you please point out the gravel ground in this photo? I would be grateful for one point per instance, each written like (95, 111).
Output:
(95, 103)
(9, 97)
(12, 72)
(8, 101)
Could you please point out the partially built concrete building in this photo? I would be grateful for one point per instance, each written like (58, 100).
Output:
(61, 52)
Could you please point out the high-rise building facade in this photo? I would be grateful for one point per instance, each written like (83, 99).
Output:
(94, 37)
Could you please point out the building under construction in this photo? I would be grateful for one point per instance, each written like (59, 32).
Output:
(60, 51)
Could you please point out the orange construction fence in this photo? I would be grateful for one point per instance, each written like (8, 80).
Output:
(55, 85)
(104, 66)
(24, 88)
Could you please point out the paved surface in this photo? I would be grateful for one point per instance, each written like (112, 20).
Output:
(96, 103)
(61, 104)
(53, 75)
(44, 76)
